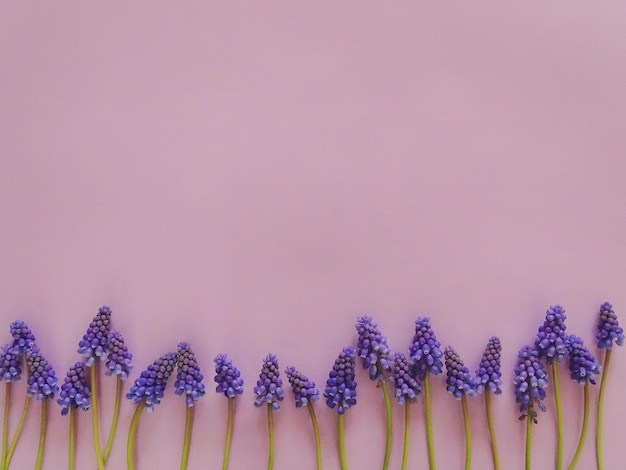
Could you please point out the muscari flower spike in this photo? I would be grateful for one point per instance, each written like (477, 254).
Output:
(551, 337)
(119, 360)
(10, 364)
(42, 380)
(189, 378)
(23, 338)
(372, 348)
(459, 381)
(95, 340)
(269, 387)
(75, 391)
(304, 390)
(227, 377)
(407, 388)
(425, 352)
(583, 366)
(609, 330)
(341, 385)
(151, 384)
(488, 373)
(530, 382)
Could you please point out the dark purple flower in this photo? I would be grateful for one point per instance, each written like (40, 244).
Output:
(550, 342)
(269, 387)
(530, 382)
(75, 391)
(425, 352)
(304, 390)
(459, 381)
(10, 364)
(341, 384)
(406, 385)
(189, 378)
(94, 342)
(372, 348)
(42, 381)
(119, 360)
(488, 373)
(582, 365)
(151, 384)
(609, 330)
(23, 338)
(227, 377)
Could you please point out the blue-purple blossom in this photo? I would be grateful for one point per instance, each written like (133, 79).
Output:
(372, 348)
(189, 378)
(269, 387)
(407, 388)
(95, 340)
(425, 352)
(551, 337)
(459, 381)
(583, 366)
(227, 377)
(10, 364)
(609, 330)
(341, 384)
(119, 360)
(75, 391)
(530, 382)
(150, 385)
(488, 373)
(42, 380)
(304, 390)
(23, 337)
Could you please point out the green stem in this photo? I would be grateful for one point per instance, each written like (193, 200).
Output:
(407, 424)
(5, 426)
(429, 423)
(492, 431)
(18, 433)
(187, 441)
(605, 373)
(132, 432)
(94, 405)
(316, 433)
(341, 442)
(229, 432)
(583, 431)
(468, 433)
(72, 456)
(559, 416)
(270, 429)
(42, 433)
(389, 424)
(529, 435)
(116, 413)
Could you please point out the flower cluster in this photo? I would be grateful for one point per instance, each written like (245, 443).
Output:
(425, 351)
(609, 330)
(23, 338)
(488, 373)
(530, 382)
(227, 377)
(372, 348)
(341, 384)
(269, 387)
(42, 380)
(459, 381)
(10, 364)
(188, 379)
(407, 388)
(75, 391)
(583, 366)
(304, 390)
(95, 340)
(551, 337)
(119, 360)
(151, 384)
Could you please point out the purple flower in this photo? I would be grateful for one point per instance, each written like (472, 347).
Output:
(304, 390)
(42, 381)
(488, 373)
(425, 352)
(227, 377)
(151, 384)
(119, 360)
(341, 387)
(530, 382)
(609, 330)
(406, 385)
(188, 379)
(372, 348)
(94, 342)
(75, 391)
(23, 338)
(10, 365)
(459, 381)
(582, 365)
(550, 342)
(269, 387)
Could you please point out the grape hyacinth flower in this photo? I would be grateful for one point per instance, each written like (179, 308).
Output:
(340, 392)
(269, 391)
(305, 393)
(188, 383)
(425, 352)
(407, 389)
(583, 368)
(460, 383)
(488, 380)
(146, 393)
(10, 371)
(230, 383)
(23, 337)
(609, 332)
(373, 349)
(530, 390)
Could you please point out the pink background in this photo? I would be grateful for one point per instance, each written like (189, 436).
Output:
(252, 178)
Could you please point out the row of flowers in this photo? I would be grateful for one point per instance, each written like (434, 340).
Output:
(409, 376)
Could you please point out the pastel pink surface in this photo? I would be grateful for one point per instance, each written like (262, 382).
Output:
(252, 178)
